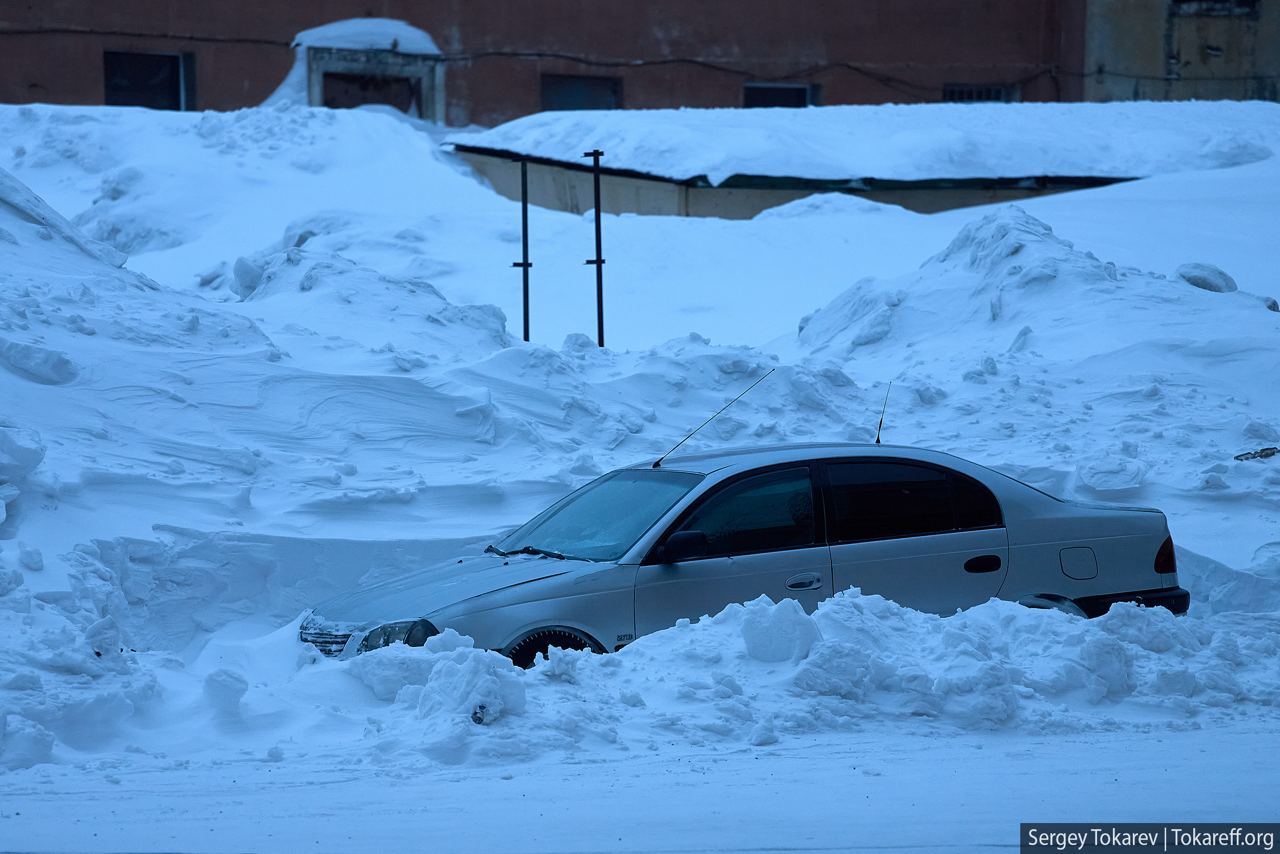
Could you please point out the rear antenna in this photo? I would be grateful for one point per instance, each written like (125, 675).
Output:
(658, 462)
(880, 426)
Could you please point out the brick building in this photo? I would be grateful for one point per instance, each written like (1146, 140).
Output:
(500, 60)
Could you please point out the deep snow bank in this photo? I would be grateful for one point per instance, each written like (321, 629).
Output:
(174, 472)
(376, 191)
(1088, 379)
(765, 672)
(182, 192)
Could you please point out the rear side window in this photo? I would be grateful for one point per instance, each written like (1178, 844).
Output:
(976, 506)
(884, 500)
(763, 513)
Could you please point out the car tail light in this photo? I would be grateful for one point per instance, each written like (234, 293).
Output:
(1166, 562)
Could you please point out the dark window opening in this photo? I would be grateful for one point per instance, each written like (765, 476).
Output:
(578, 92)
(1215, 8)
(976, 506)
(764, 513)
(780, 94)
(343, 91)
(876, 501)
(966, 93)
(160, 81)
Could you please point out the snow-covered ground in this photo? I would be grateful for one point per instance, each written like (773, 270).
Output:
(305, 378)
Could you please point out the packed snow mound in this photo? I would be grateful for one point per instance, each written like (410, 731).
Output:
(224, 184)
(324, 302)
(904, 142)
(1008, 268)
(762, 673)
(753, 675)
(352, 34)
(447, 679)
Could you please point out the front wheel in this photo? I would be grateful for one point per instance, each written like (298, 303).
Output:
(524, 652)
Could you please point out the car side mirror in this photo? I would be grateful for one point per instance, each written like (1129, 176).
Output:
(684, 545)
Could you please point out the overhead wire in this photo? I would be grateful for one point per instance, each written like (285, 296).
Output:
(872, 72)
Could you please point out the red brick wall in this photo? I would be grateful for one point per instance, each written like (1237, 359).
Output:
(904, 50)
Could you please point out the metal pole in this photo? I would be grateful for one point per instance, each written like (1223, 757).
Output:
(598, 261)
(524, 263)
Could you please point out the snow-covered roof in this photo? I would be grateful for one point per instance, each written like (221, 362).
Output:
(368, 34)
(903, 142)
(352, 34)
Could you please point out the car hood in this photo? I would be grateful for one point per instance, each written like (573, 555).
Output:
(418, 594)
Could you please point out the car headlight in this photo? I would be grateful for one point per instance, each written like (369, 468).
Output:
(409, 633)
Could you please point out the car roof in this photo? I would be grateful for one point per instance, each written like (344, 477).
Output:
(706, 462)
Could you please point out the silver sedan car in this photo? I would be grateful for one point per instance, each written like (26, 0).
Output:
(639, 548)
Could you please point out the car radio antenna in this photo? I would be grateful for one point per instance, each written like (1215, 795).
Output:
(658, 462)
(880, 426)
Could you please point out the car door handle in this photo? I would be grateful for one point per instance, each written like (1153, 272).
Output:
(982, 563)
(804, 581)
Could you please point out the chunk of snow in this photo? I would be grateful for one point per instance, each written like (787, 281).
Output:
(23, 743)
(224, 689)
(781, 632)
(38, 364)
(1207, 277)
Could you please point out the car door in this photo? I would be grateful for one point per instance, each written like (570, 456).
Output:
(922, 535)
(764, 536)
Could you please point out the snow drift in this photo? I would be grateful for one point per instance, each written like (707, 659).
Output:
(184, 470)
(172, 471)
(1094, 380)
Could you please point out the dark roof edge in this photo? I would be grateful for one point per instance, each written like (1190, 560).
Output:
(776, 182)
(698, 181)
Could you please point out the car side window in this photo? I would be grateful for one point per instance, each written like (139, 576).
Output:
(976, 506)
(765, 512)
(883, 500)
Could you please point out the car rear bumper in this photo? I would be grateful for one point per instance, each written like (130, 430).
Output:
(1175, 599)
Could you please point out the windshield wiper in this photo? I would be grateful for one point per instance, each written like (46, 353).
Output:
(534, 550)
(524, 550)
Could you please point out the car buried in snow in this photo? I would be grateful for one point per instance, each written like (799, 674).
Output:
(640, 548)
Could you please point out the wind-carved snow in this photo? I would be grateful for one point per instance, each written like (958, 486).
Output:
(194, 472)
(186, 466)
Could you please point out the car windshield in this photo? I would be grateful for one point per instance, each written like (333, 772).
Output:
(605, 518)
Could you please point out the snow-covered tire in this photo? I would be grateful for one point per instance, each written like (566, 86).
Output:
(525, 651)
(1052, 601)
